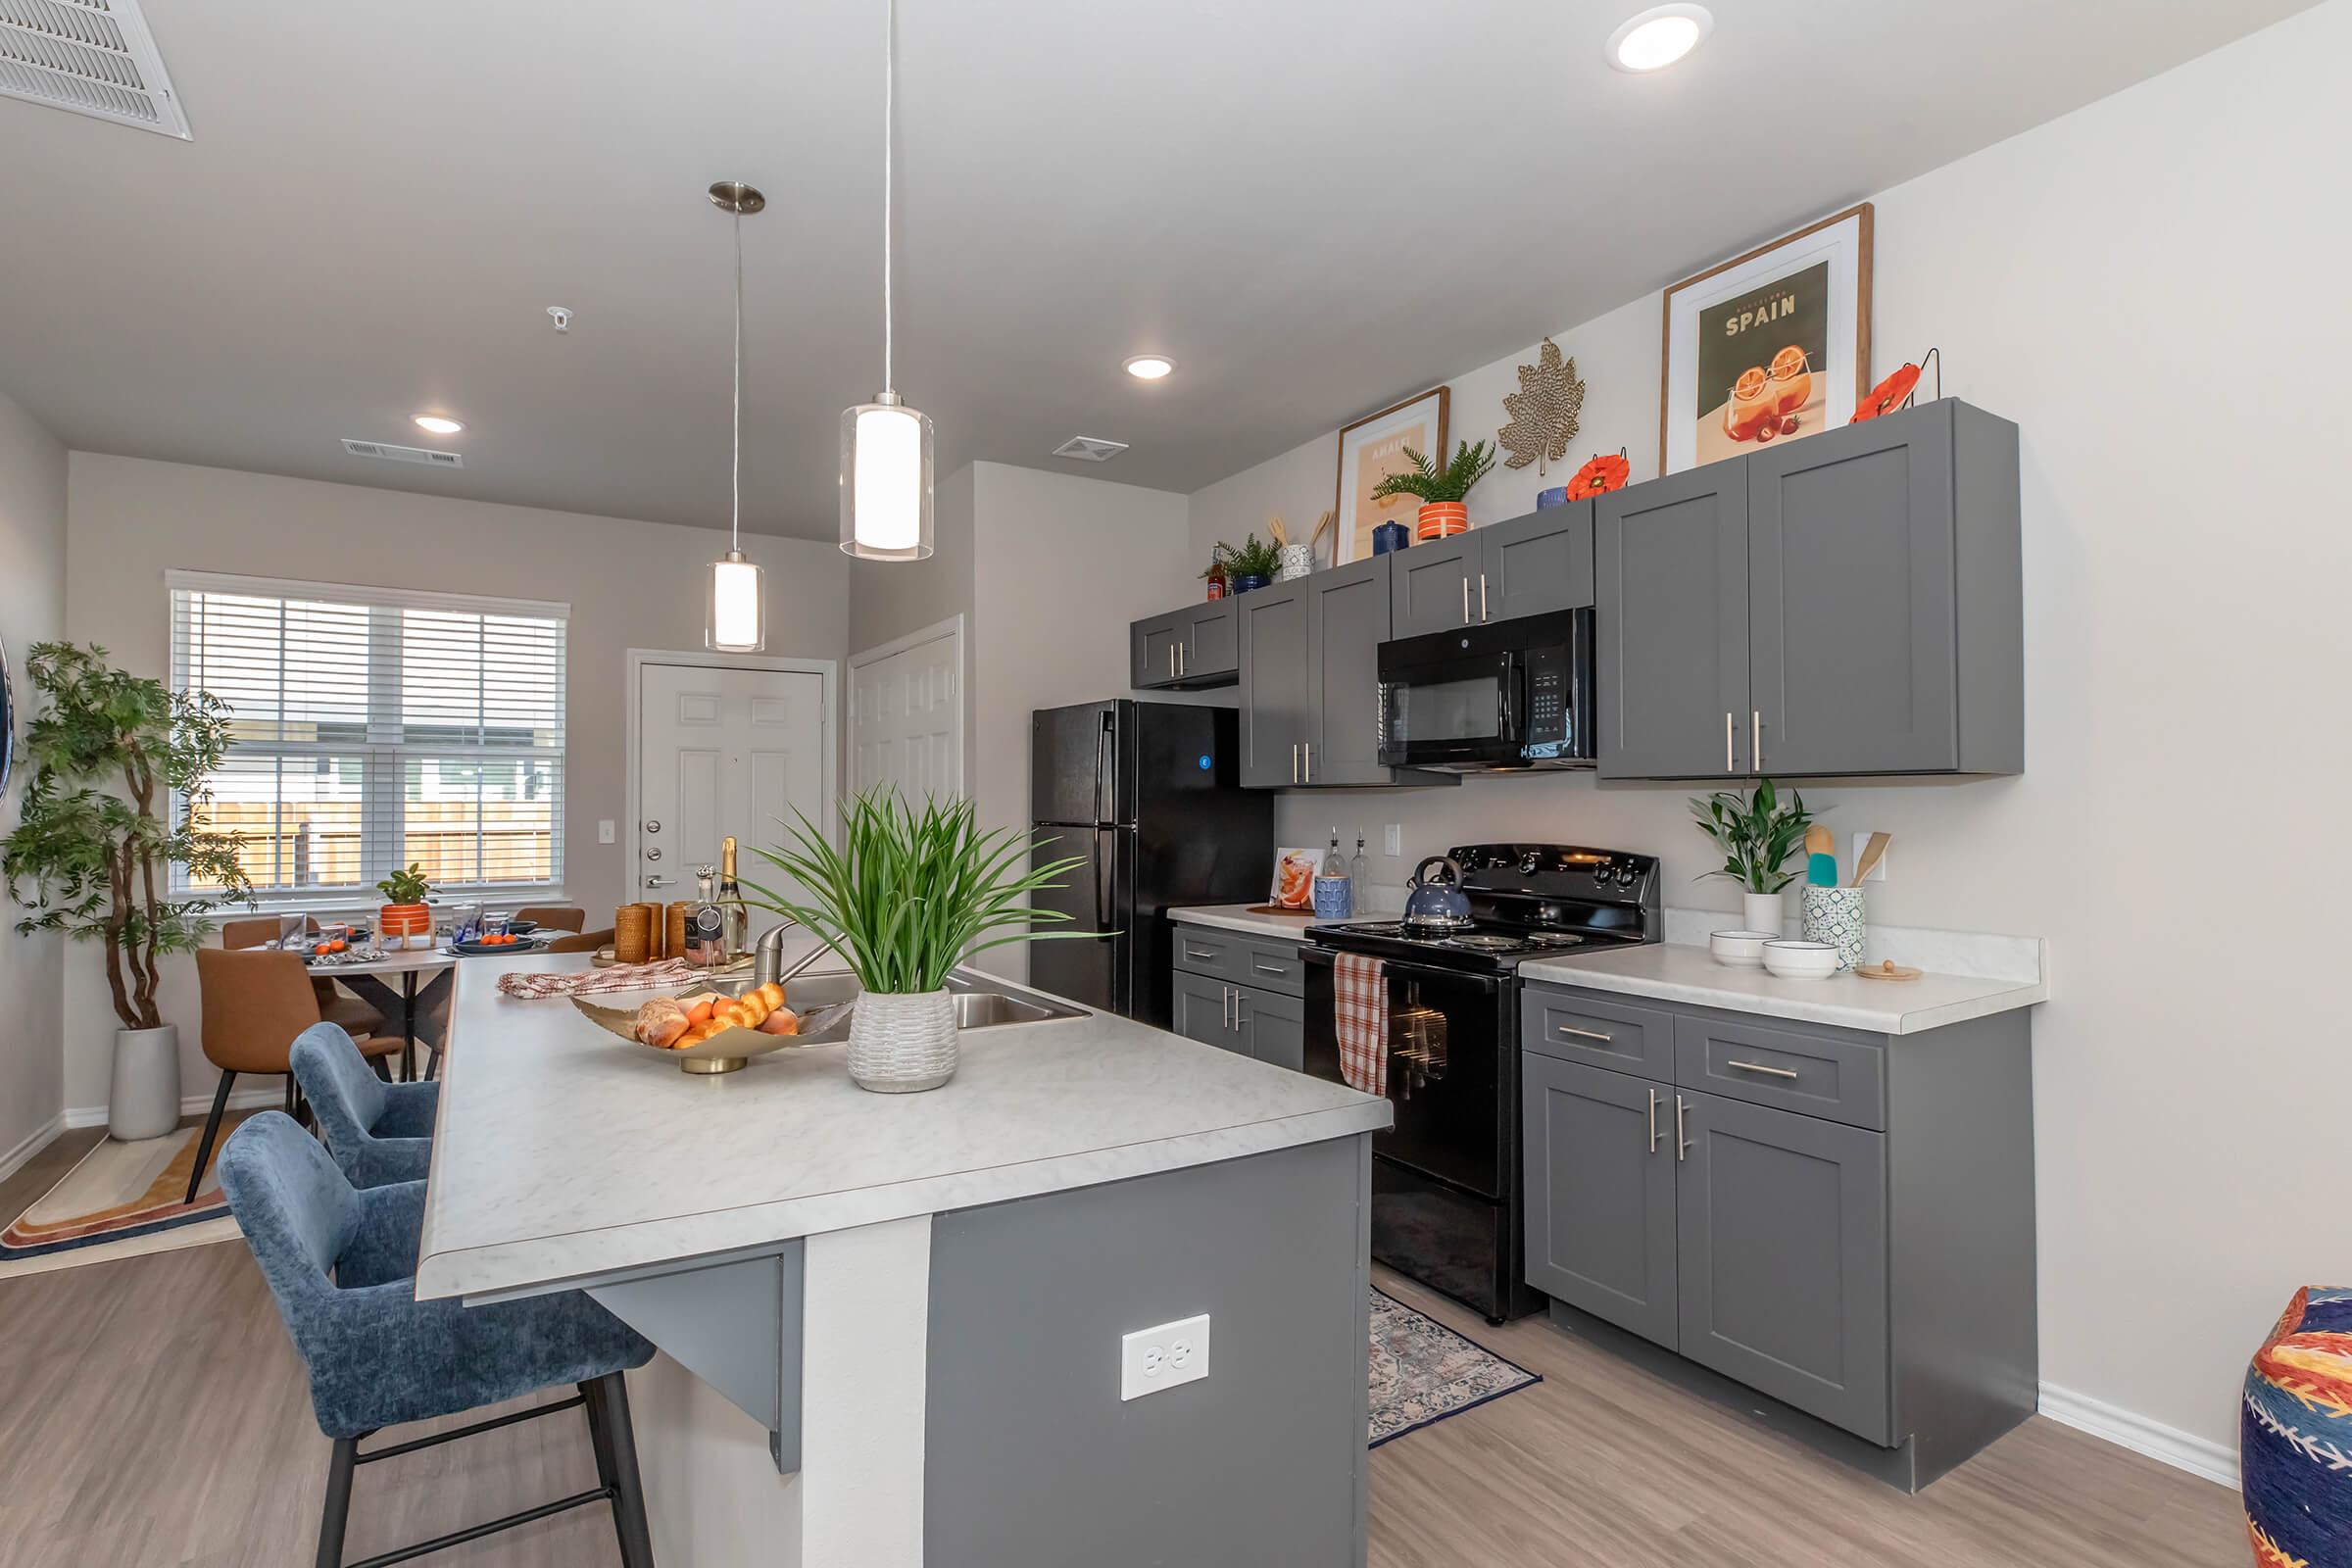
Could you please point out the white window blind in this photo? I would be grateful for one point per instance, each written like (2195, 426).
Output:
(374, 727)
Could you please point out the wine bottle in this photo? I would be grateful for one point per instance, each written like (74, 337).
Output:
(735, 920)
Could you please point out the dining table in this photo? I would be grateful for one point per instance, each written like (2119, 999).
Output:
(423, 975)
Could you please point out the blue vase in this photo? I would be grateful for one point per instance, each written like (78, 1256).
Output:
(1556, 496)
(1390, 536)
(1248, 580)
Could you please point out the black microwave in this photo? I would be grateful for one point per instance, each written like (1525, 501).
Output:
(1513, 694)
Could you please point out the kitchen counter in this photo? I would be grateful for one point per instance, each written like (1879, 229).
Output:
(1248, 918)
(1673, 972)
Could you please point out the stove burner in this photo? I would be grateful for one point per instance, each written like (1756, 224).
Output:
(1555, 939)
(1484, 943)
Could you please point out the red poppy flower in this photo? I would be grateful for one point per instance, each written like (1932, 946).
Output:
(1603, 475)
(1889, 395)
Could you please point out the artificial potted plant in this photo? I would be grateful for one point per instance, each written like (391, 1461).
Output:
(95, 847)
(1443, 490)
(1249, 564)
(907, 898)
(1758, 836)
(405, 919)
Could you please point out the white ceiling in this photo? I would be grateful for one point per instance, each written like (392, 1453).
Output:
(1314, 206)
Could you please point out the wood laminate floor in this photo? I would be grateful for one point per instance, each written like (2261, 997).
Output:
(153, 1415)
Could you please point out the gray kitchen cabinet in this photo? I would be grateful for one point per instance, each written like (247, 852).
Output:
(1310, 679)
(1432, 586)
(1262, 1016)
(1601, 1194)
(1782, 1256)
(1155, 644)
(1186, 649)
(1272, 1026)
(1524, 566)
(1670, 625)
(1278, 720)
(1204, 1012)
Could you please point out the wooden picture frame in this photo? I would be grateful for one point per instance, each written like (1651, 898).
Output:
(1823, 267)
(1371, 448)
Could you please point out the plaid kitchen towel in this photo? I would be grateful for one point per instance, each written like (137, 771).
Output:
(1359, 1003)
(533, 985)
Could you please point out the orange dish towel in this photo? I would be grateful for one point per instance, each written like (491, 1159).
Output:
(1360, 1018)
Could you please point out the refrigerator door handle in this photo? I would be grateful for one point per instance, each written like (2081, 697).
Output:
(1102, 875)
(1102, 765)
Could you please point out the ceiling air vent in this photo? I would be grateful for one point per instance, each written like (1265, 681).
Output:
(93, 57)
(387, 452)
(1078, 448)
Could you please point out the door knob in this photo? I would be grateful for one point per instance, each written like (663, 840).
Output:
(657, 881)
(652, 855)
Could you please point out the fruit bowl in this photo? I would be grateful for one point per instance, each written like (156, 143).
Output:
(823, 1023)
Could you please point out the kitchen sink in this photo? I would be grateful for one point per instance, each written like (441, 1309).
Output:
(981, 1002)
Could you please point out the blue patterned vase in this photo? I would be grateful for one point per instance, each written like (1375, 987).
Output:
(1834, 915)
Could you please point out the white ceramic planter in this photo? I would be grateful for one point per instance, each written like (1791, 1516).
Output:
(901, 1042)
(1763, 912)
(143, 1098)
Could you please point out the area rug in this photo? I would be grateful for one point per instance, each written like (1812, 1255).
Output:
(121, 1200)
(1423, 1372)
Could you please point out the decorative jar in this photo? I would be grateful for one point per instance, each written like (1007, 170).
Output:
(903, 1042)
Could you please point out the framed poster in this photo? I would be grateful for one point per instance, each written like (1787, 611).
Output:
(1770, 346)
(1370, 450)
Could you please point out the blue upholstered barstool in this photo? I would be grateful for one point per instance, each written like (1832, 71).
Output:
(341, 1261)
(378, 1132)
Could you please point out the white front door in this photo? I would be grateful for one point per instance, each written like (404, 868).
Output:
(723, 751)
(906, 715)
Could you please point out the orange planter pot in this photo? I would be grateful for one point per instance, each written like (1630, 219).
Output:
(397, 924)
(1442, 519)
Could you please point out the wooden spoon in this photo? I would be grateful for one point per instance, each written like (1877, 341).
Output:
(1281, 534)
(1871, 852)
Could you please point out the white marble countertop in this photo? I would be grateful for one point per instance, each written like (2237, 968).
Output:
(1248, 918)
(1674, 972)
(561, 1152)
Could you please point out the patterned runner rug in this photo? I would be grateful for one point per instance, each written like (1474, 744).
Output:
(120, 1201)
(1423, 1372)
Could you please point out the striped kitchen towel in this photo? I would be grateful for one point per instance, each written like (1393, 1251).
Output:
(533, 985)
(1360, 1005)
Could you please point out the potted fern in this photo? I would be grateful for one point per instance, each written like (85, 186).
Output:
(1443, 490)
(95, 844)
(1250, 564)
(1758, 836)
(908, 897)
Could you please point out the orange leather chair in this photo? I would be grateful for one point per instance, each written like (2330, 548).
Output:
(255, 1002)
(336, 1006)
(555, 916)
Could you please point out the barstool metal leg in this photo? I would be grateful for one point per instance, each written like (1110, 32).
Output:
(616, 1462)
(336, 1515)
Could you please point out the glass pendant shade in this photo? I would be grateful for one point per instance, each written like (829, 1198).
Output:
(886, 481)
(737, 622)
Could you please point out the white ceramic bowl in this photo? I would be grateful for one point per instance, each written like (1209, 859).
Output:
(1800, 960)
(1739, 950)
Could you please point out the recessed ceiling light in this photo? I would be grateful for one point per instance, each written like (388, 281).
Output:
(1658, 38)
(438, 425)
(1150, 367)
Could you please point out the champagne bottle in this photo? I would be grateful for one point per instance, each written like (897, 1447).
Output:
(736, 921)
(706, 924)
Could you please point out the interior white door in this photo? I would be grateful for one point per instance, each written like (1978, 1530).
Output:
(722, 751)
(907, 719)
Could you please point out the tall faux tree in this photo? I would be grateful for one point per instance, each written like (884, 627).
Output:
(93, 850)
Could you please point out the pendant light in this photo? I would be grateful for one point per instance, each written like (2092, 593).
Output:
(736, 622)
(885, 444)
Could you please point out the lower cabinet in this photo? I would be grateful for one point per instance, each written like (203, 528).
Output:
(1601, 1194)
(1250, 1019)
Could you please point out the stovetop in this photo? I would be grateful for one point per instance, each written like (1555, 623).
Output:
(1527, 901)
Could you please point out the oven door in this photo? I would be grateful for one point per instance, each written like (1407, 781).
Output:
(1450, 708)
(1447, 1073)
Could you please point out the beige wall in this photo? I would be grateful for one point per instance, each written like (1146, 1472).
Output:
(629, 585)
(32, 609)
(2168, 332)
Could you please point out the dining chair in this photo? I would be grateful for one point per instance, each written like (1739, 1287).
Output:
(255, 1002)
(379, 1133)
(341, 1261)
(582, 942)
(555, 916)
(335, 1004)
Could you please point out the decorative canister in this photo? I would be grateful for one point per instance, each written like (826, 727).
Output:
(1296, 562)
(1442, 519)
(1247, 582)
(1556, 496)
(1834, 915)
(901, 1042)
(1390, 537)
(1335, 898)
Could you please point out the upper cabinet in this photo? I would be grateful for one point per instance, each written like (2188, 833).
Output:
(1310, 683)
(1526, 566)
(1848, 604)
(1194, 647)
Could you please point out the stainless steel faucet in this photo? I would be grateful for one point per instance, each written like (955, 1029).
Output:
(767, 956)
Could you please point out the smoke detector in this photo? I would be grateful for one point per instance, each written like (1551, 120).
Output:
(1078, 448)
(88, 57)
(384, 450)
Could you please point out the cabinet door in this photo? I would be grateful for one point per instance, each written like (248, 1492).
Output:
(1204, 1012)
(1349, 616)
(1851, 602)
(1273, 1027)
(1433, 587)
(1531, 565)
(1670, 625)
(1782, 1257)
(1155, 644)
(1211, 641)
(1600, 1180)
(1277, 676)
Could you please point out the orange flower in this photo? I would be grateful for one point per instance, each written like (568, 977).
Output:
(1603, 475)
(1889, 395)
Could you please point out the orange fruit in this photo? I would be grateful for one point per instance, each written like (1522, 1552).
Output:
(1788, 362)
(1750, 384)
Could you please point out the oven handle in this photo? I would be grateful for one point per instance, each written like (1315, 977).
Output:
(1322, 957)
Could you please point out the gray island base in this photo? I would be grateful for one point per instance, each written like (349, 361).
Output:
(892, 1325)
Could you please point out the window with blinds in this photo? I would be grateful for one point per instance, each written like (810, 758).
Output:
(373, 728)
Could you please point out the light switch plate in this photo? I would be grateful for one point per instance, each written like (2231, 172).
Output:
(604, 830)
(1878, 872)
(1392, 839)
(1165, 1358)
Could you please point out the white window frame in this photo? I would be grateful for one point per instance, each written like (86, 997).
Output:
(381, 835)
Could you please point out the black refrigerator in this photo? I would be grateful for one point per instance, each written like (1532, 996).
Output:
(1148, 797)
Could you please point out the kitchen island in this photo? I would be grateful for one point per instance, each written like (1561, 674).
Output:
(893, 1323)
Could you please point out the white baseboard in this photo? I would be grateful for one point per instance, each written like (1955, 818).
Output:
(191, 1105)
(30, 1145)
(2127, 1429)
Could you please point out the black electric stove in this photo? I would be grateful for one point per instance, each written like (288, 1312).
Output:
(1448, 1191)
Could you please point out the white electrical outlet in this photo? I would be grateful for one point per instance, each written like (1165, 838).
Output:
(1392, 839)
(1878, 872)
(604, 830)
(1173, 1354)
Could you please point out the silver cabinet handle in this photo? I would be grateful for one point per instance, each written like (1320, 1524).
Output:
(1682, 1143)
(1308, 747)
(1755, 737)
(1195, 952)
(1184, 657)
(1727, 742)
(1482, 596)
(1581, 1034)
(1293, 761)
(1263, 967)
(1465, 599)
(1654, 1121)
(1758, 1067)
(1240, 1021)
(1225, 1007)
